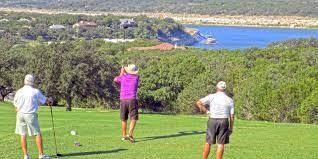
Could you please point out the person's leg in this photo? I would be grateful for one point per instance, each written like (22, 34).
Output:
(123, 128)
(33, 127)
(219, 151)
(123, 117)
(21, 130)
(24, 145)
(132, 127)
(206, 150)
(210, 138)
(222, 138)
(38, 140)
(133, 111)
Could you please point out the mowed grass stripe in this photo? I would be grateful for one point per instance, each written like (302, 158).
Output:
(158, 137)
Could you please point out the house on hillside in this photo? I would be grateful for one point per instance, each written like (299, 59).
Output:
(126, 23)
(4, 20)
(84, 25)
(118, 40)
(26, 26)
(161, 47)
(24, 20)
(57, 27)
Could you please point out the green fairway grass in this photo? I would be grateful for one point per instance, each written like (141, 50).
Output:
(157, 137)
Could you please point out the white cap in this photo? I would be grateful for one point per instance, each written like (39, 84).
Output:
(29, 80)
(132, 69)
(221, 85)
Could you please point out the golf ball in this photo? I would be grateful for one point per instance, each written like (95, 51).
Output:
(73, 132)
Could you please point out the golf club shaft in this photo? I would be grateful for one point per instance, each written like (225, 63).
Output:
(53, 130)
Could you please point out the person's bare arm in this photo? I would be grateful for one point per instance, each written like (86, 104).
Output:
(231, 117)
(122, 72)
(231, 123)
(201, 107)
(16, 102)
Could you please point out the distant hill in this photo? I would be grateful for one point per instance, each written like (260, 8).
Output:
(63, 27)
(209, 7)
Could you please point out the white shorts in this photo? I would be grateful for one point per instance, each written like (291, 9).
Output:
(27, 123)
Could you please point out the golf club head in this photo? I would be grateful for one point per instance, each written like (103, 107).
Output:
(59, 155)
(78, 144)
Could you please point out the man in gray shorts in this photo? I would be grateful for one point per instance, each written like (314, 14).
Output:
(221, 112)
(27, 101)
(128, 80)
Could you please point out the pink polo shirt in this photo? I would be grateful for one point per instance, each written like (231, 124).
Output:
(128, 86)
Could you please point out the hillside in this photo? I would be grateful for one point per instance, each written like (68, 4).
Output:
(205, 7)
(278, 83)
(77, 66)
(58, 27)
(157, 137)
(292, 21)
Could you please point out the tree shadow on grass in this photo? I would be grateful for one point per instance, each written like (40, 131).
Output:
(179, 134)
(91, 153)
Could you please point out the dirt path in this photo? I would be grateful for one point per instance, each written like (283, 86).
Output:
(239, 20)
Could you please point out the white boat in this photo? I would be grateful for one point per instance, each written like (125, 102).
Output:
(210, 41)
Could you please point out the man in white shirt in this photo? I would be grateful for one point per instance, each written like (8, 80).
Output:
(27, 101)
(221, 112)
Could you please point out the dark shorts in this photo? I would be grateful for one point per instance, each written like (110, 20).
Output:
(129, 107)
(218, 131)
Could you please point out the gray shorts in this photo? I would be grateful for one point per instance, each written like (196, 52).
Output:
(218, 131)
(27, 123)
(129, 107)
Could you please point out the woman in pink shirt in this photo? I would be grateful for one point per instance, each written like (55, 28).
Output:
(128, 80)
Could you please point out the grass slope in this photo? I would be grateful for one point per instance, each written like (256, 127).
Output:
(158, 137)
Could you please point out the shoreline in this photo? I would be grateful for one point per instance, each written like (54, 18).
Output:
(293, 22)
(254, 26)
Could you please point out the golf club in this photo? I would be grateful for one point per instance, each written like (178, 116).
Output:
(57, 154)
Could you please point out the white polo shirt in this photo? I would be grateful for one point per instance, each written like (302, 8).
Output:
(27, 99)
(221, 105)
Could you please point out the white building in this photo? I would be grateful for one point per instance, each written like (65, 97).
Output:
(118, 40)
(57, 27)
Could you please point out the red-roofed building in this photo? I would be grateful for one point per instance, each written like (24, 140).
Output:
(84, 25)
(161, 47)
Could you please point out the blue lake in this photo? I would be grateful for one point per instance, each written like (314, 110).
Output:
(234, 37)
